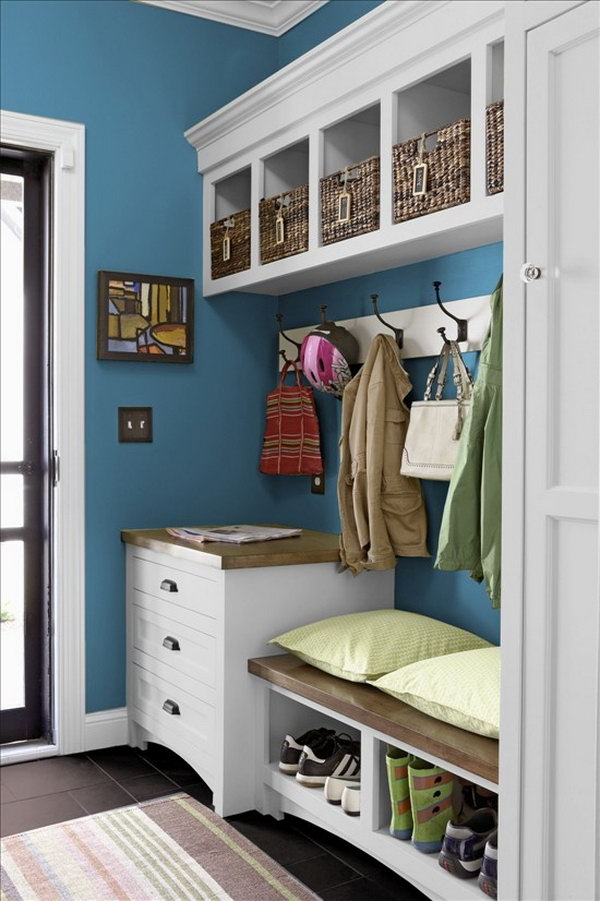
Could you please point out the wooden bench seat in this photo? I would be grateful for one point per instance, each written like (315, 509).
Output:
(367, 705)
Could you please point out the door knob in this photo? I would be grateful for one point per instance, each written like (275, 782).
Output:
(529, 272)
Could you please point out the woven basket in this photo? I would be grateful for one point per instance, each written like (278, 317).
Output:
(448, 173)
(494, 145)
(294, 207)
(363, 187)
(239, 246)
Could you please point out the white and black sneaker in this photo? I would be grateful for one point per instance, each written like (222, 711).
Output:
(291, 748)
(335, 755)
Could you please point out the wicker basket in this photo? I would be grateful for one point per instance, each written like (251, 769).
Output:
(292, 207)
(494, 144)
(362, 184)
(448, 172)
(236, 227)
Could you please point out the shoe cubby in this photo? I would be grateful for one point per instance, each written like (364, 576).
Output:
(281, 711)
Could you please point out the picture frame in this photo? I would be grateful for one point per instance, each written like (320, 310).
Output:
(144, 318)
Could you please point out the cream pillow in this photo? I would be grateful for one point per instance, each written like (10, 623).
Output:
(462, 689)
(362, 646)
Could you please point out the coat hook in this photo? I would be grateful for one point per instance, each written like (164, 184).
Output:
(279, 318)
(323, 309)
(398, 332)
(461, 324)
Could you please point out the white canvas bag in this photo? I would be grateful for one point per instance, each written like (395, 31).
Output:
(435, 427)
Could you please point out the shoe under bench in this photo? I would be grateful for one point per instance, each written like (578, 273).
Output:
(292, 696)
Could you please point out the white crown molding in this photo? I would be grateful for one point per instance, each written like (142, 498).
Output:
(344, 46)
(274, 18)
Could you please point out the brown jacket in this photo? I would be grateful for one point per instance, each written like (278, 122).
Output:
(382, 512)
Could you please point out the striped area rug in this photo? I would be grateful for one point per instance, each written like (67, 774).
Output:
(171, 848)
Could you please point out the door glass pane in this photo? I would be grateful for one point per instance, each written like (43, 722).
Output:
(11, 502)
(12, 649)
(11, 318)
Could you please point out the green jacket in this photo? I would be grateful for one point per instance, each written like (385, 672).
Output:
(471, 524)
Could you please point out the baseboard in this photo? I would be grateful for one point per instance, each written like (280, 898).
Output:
(106, 728)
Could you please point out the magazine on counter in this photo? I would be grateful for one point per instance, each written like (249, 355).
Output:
(234, 534)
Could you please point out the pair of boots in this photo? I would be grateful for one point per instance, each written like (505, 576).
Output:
(421, 796)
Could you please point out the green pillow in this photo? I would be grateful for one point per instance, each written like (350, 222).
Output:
(361, 646)
(462, 689)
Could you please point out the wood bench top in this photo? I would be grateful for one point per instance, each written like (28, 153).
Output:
(367, 705)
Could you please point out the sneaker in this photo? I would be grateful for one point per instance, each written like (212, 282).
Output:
(351, 800)
(489, 868)
(464, 843)
(335, 755)
(335, 785)
(291, 748)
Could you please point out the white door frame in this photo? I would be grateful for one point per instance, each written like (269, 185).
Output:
(66, 141)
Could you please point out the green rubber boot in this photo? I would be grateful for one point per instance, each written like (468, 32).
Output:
(431, 801)
(396, 762)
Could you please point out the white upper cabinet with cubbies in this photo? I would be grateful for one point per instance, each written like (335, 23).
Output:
(325, 153)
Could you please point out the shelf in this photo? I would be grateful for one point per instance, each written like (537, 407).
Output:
(402, 70)
(423, 870)
(449, 231)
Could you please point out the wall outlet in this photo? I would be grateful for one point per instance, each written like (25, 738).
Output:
(317, 483)
(135, 424)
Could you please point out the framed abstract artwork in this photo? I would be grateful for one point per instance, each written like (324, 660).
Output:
(145, 318)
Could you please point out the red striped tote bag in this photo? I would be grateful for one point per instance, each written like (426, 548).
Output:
(291, 446)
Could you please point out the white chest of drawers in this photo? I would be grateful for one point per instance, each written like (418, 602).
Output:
(195, 616)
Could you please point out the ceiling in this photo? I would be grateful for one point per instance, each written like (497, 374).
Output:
(269, 16)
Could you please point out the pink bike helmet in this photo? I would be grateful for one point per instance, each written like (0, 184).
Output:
(326, 356)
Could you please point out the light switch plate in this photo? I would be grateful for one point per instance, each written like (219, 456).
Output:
(317, 483)
(135, 424)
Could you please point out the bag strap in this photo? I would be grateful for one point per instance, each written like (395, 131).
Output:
(461, 376)
(439, 369)
(285, 370)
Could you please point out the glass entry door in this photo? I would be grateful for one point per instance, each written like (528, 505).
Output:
(25, 441)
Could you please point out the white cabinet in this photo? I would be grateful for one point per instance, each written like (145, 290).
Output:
(194, 617)
(404, 69)
(550, 763)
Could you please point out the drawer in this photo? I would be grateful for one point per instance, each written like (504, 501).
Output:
(175, 587)
(192, 728)
(185, 650)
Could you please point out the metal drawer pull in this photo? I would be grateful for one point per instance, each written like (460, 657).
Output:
(169, 585)
(171, 643)
(171, 707)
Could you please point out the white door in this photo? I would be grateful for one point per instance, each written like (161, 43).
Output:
(560, 764)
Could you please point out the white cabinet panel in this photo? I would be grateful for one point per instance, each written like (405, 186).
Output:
(560, 778)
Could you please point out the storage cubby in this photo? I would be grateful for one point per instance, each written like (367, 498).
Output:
(230, 230)
(433, 103)
(432, 153)
(330, 123)
(286, 170)
(494, 119)
(352, 140)
(283, 209)
(232, 194)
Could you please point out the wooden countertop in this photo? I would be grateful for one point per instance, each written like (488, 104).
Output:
(309, 547)
(366, 704)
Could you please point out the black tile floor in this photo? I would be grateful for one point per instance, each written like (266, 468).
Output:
(63, 788)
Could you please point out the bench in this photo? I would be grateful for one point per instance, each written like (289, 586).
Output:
(292, 696)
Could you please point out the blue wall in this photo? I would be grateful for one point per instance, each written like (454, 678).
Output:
(137, 77)
(319, 26)
(452, 597)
